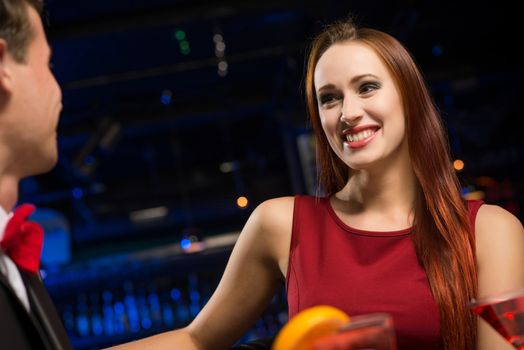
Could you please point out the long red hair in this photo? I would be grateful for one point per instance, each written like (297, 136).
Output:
(442, 236)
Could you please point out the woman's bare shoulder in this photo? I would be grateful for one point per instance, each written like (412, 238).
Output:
(274, 218)
(274, 213)
(494, 222)
(278, 203)
(500, 250)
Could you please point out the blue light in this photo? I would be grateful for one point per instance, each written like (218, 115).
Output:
(108, 320)
(107, 296)
(82, 325)
(168, 316)
(119, 307)
(185, 244)
(98, 329)
(194, 295)
(132, 313)
(89, 160)
(166, 96)
(146, 323)
(135, 327)
(154, 302)
(437, 50)
(194, 308)
(165, 100)
(175, 294)
(108, 326)
(153, 298)
(119, 327)
(108, 312)
(182, 313)
(77, 192)
(130, 301)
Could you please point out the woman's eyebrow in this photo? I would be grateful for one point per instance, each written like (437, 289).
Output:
(354, 80)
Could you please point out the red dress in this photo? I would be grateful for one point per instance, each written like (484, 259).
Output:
(361, 272)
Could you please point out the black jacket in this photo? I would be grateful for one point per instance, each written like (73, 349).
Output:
(40, 329)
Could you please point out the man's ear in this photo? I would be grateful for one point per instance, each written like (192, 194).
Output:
(5, 74)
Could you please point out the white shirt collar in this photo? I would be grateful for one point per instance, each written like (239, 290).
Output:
(4, 218)
(8, 267)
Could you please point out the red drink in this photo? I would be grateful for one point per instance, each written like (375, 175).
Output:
(505, 313)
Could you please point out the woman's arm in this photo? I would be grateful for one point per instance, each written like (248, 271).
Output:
(252, 276)
(500, 257)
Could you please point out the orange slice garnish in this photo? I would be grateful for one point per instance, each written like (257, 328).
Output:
(309, 325)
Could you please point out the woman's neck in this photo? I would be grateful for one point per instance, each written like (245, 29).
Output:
(382, 189)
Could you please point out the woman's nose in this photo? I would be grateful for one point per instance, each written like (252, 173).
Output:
(351, 112)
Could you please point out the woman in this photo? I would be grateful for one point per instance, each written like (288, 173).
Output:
(392, 233)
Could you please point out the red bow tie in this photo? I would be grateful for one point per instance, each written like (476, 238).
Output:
(23, 239)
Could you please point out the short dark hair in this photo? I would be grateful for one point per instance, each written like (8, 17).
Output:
(15, 27)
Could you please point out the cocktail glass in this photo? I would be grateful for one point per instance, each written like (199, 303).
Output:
(505, 313)
(370, 331)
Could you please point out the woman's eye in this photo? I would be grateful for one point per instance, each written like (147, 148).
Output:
(368, 87)
(327, 98)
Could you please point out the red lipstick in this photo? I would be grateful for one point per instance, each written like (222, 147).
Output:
(355, 130)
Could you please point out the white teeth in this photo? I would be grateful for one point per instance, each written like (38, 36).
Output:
(359, 136)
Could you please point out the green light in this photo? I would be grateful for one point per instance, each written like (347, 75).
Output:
(184, 45)
(180, 35)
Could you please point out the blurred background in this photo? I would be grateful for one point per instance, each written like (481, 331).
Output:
(180, 117)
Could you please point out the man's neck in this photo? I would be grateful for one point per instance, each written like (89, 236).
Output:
(8, 192)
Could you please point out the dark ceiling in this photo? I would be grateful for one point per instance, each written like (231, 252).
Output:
(155, 117)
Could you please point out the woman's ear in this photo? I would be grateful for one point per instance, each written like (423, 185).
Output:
(5, 74)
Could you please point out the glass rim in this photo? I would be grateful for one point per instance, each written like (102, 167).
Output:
(381, 319)
(496, 298)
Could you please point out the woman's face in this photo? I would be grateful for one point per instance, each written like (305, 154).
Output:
(359, 106)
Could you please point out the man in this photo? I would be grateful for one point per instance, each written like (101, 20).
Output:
(30, 103)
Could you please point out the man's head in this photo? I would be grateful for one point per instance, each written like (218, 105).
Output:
(15, 28)
(30, 98)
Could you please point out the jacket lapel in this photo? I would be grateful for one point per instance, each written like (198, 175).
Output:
(32, 320)
(5, 282)
(44, 310)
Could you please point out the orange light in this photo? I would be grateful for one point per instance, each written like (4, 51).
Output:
(486, 181)
(458, 165)
(475, 195)
(242, 202)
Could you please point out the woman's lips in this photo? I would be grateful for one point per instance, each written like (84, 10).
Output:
(360, 136)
